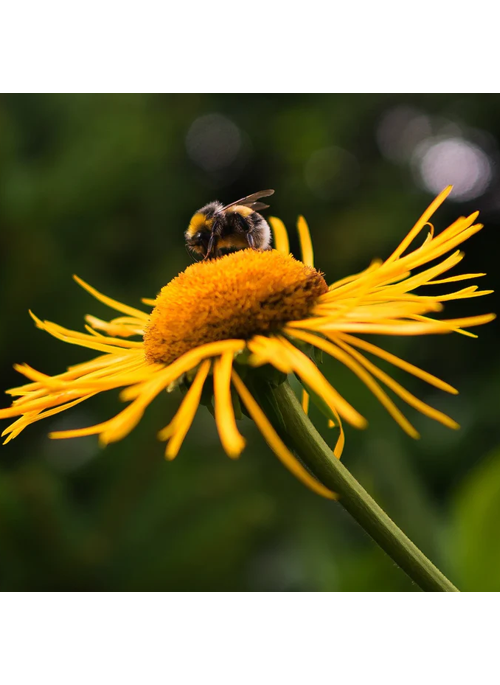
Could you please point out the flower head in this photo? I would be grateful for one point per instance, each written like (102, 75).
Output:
(249, 309)
(240, 295)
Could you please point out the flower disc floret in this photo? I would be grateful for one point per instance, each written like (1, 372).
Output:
(238, 296)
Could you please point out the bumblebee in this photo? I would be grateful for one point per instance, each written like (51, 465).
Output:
(216, 230)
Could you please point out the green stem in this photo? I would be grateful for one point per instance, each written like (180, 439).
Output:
(287, 414)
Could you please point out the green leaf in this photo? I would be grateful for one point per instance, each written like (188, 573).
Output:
(476, 513)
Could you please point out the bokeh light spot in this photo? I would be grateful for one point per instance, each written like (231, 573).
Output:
(400, 130)
(213, 142)
(456, 161)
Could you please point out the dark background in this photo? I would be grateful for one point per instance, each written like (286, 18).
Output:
(104, 186)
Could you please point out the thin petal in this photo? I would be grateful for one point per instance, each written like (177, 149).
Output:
(121, 374)
(230, 437)
(121, 425)
(397, 361)
(76, 338)
(51, 327)
(424, 326)
(189, 360)
(348, 280)
(275, 443)
(410, 399)
(305, 242)
(414, 282)
(116, 329)
(98, 367)
(364, 376)
(280, 235)
(26, 420)
(177, 429)
(340, 444)
(114, 304)
(41, 403)
(307, 370)
(453, 279)
(79, 432)
(420, 224)
(438, 248)
(305, 402)
(268, 351)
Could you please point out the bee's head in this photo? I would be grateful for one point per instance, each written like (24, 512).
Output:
(200, 228)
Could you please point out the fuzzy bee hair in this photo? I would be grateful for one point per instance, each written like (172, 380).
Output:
(216, 229)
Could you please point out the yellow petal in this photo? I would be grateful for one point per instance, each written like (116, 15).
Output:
(135, 371)
(81, 339)
(453, 279)
(348, 280)
(121, 425)
(424, 326)
(340, 444)
(410, 399)
(305, 242)
(305, 402)
(275, 443)
(231, 439)
(181, 423)
(420, 224)
(268, 351)
(114, 304)
(189, 360)
(41, 403)
(115, 329)
(397, 361)
(363, 375)
(436, 249)
(79, 432)
(109, 365)
(307, 370)
(26, 420)
(280, 235)
(421, 279)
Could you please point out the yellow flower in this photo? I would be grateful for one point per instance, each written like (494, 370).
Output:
(249, 309)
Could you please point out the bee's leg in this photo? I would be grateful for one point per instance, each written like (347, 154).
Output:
(212, 245)
(213, 240)
(245, 229)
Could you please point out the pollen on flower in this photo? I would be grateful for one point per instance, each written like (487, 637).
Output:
(236, 296)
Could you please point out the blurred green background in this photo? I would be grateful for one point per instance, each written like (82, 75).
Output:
(103, 186)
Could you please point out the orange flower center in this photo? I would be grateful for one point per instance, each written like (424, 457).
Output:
(236, 296)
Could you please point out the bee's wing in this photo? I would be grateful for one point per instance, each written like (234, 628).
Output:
(257, 206)
(249, 200)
